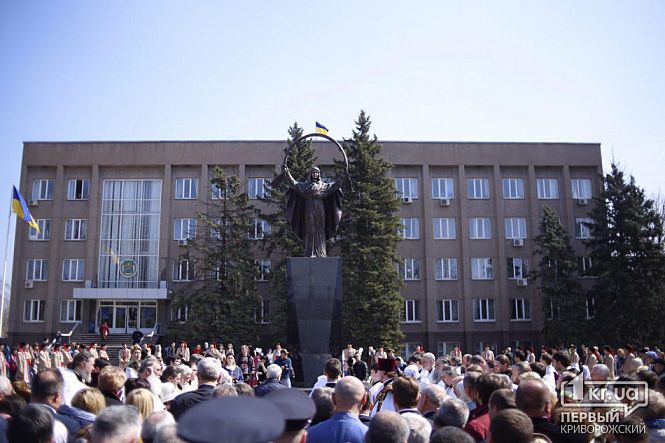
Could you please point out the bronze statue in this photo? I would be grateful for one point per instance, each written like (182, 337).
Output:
(314, 209)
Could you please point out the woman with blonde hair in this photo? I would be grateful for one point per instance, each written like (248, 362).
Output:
(86, 404)
(142, 400)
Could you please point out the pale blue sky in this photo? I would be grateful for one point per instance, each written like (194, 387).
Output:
(568, 71)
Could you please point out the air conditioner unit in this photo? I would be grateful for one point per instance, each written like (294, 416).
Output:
(182, 242)
(444, 202)
(33, 202)
(407, 200)
(29, 284)
(583, 201)
(518, 242)
(523, 282)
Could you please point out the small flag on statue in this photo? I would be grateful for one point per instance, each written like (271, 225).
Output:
(321, 129)
(20, 208)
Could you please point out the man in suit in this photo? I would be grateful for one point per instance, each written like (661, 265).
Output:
(48, 392)
(209, 371)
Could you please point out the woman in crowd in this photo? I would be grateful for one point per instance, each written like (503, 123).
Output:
(86, 404)
(183, 351)
(111, 383)
(142, 399)
(234, 371)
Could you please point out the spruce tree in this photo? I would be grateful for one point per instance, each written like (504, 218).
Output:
(372, 303)
(222, 298)
(563, 301)
(283, 242)
(626, 249)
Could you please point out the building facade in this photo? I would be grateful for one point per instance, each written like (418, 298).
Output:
(114, 216)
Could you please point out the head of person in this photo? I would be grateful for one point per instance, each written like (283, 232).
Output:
(151, 367)
(501, 363)
(519, 368)
(349, 395)
(90, 400)
(273, 371)
(6, 388)
(447, 374)
(431, 398)
(511, 426)
(450, 434)
(153, 423)
(500, 400)
(142, 400)
(419, 428)
(117, 424)
(323, 402)
(487, 384)
(453, 412)
(47, 388)
(600, 373)
(83, 364)
(561, 361)
(387, 427)
(315, 174)
(406, 393)
(33, 424)
(333, 369)
(224, 391)
(208, 370)
(534, 398)
(297, 409)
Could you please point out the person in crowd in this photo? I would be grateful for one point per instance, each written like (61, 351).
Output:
(117, 424)
(33, 424)
(332, 372)
(479, 420)
(233, 370)
(500, 400)
(448, 380)
(285, 363)
(382, 396)
(86, 404)
(406, 394)
(104, 332)
(453, 412)
(344, 426)
(141, 399)
(273, 375)
(359, 368)
(151, 371)
(430, 400)
(208, 372)
(325, 408)
(511, 426)
(502, 365)
(420, 428)
(23, 362)
(153, 423)
(297, 409)
(450, 434)
(387, 427)
(244, 389)
(246, 363)
(183, 351)
(111, 382)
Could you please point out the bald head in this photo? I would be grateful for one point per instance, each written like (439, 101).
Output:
(348, 395)
(533, 398)
(6, 388)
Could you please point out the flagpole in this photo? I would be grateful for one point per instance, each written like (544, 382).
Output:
(4, 272)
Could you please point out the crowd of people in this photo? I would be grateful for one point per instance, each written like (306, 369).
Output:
(58, 393)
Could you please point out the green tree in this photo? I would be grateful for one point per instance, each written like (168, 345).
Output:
(222, 297)
(626, 250)
(563, 301)
(372, 303)
(283, 242)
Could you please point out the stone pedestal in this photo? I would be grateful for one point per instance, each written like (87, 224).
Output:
(314, 310)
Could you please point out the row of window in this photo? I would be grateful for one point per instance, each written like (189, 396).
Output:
(183, 270)
(447, 311)
(70, 311)
(479, 188)
(185, 229)
(481, 268)
(262, 314)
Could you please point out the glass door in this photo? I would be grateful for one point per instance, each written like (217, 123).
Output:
(132, 318)
(120, 320)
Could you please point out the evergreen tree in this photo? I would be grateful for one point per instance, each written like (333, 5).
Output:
(283, 242)
(563, 301)
(626, 249)
(222, 297)
(369, 228)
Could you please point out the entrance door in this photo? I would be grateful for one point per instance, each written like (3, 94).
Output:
(132, 318)
(120, 320)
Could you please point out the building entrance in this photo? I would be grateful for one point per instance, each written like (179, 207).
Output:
(124, 317)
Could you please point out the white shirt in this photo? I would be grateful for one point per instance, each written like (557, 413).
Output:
(72, 385)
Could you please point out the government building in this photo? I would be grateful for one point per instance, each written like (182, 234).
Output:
(114, 217)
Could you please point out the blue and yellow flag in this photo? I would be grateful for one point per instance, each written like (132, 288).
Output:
(20, 208)
(321, 129)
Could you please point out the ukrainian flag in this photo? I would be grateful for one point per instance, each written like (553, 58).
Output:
(321, 129)
(21, 209)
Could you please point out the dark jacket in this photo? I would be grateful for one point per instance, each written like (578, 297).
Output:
(271, 384)
(186, 401)
(543, 426)
(112, 400)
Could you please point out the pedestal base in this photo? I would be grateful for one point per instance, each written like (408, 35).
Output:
(314, 310)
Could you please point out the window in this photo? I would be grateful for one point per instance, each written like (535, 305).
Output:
(410, 270)
(78, 189)
(513, 188)
(483, 309)
(37, 269)
(257, 187)
(263, 270)
(590, 307)
(186, 188)
(517, 268)
(445, 347)
(184, 228)
(446, 269)
(411, 311)
(447, 311)
(583, 228)
(262, 313)
(478, 188)
(445, 229)
(33, 310)
(407, 187)
(73, 269)
(520, 309)
(76, 229)
(553, 311)
(218, 193)
(443, 188)
(548, 188)
(70, 311)
(585, 267)
(42, 189)
(180, 314)
(480, 228)
(515, 228)
(581, 188)
(481, 269)
(181, 270)
(259, 229)
(410, 229)
(44, 231)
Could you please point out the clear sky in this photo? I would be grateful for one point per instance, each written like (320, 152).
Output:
(560, 71)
